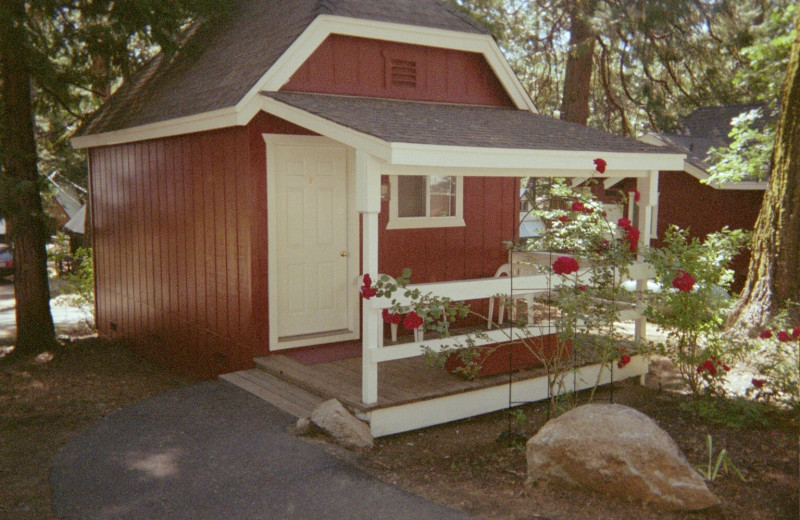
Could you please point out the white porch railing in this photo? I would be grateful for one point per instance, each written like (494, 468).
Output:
(374, 351)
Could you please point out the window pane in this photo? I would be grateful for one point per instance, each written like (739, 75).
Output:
(443, 196)
(411, 196)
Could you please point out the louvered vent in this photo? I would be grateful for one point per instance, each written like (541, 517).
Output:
(403, 73)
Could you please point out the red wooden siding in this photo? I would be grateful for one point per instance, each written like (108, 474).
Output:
(171, 237)
(180, 238)
(687, 203)
(491, 214)
(358, 67)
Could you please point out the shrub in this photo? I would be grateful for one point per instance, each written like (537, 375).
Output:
(777, 360)
(79, 287)
(692, 304)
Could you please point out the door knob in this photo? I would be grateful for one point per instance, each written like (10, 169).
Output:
(344, 253)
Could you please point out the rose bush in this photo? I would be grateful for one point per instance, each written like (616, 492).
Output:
(693, 303)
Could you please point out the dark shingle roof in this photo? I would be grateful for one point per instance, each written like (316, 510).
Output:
(219, 64)
(707, 127)
(459, 125)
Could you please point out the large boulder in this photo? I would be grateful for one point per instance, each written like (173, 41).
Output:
(617, 450)
(332, 417)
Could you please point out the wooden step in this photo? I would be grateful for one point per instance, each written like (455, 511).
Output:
(280, 393)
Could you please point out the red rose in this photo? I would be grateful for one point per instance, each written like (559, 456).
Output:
(563, 218)
(624, 223)
(726, 368)
(683, 281)
(637, 196)
(578, 206)
(632, 236)
(784, 336)
(707, 366)
(600, 165)
(765, 334)
(368, 292)
(367, 280)
(581, 287)
(758, 383)
(623, 360)
(796, 333)
(412, 320)
(392, 317)
(565, 265)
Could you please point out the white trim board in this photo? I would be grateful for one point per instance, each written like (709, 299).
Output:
(700, 173)
(408, 158)
(297, 54)
(325, 25)
(430, 412)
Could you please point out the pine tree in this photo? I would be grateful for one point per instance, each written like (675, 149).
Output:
(773, 279)
(57, 58)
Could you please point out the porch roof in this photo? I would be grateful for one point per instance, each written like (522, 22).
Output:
(394, 126)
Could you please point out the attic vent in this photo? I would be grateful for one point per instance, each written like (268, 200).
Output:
(402, 73)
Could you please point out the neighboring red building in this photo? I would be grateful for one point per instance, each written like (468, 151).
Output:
(702, 208)
(241, 187)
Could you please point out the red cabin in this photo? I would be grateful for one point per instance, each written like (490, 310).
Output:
(241, 187)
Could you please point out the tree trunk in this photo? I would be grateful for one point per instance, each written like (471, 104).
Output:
(35, 331)
(773, 279)
(578, 76)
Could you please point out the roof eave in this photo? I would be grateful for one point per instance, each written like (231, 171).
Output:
(404, 158)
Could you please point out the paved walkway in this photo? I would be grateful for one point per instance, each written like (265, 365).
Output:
(213, 451)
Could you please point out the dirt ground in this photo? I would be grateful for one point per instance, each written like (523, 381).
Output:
(473, 465)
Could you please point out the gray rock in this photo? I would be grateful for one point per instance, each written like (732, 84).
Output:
(332, 417)
(303, 426)
(617, 450)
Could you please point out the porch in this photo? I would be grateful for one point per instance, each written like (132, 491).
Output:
(381, 144)
(411, 395)
(390, 385)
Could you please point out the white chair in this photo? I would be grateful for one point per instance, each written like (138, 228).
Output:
(505, 270)
(419, 333)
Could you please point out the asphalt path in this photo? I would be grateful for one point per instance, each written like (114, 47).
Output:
(213, 451)
(209, 451)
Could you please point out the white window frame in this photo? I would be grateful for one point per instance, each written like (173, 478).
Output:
(396, 222)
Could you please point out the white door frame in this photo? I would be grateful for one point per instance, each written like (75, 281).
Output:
(353, 323)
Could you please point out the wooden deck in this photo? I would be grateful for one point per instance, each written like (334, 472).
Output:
(401, 382)
(411, 394)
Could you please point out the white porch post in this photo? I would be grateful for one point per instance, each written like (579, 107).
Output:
(647, 220)
(368, 203)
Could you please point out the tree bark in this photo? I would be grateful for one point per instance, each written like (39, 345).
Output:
(578, 75)
(35, 331)
(773, 278)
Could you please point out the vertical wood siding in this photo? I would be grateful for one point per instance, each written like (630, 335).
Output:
(685, 202)
(357, 67)
(180, 223)
(491, 215)
(172, 245)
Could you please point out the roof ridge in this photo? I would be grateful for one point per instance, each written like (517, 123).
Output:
(278, 93)
(324, 7)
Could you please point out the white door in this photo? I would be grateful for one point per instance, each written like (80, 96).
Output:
(311, 239)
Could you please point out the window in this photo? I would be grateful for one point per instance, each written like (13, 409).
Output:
(420, 201)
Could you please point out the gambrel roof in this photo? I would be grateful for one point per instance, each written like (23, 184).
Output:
(228, 73)
(219, 65)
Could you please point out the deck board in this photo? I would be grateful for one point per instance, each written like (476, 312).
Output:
(399, 382)
(277, 391)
